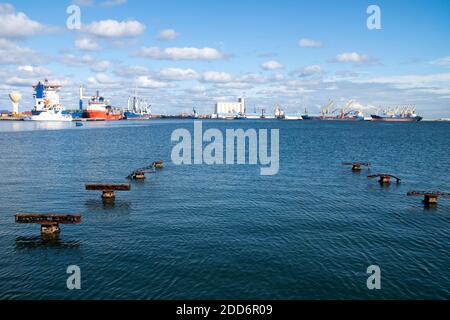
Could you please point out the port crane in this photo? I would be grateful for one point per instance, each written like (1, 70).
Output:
(326, 110)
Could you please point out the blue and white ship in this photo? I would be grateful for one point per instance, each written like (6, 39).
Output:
(47, 104)
(138, 109)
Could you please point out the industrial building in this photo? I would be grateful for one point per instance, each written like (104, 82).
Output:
(230, 107)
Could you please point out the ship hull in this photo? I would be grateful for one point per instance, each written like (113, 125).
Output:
(396, 119)
(136, 116)
(103, 115)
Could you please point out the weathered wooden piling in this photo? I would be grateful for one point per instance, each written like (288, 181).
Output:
(357, 166)
(384, 178)
(49, 222)
(108, 190)
(430, 197)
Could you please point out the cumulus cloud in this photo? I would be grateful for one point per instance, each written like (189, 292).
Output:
(272, 65)
(25, 75)
(131, 71)
(354, 57)
(309, 43)
(208, 54)
(307, 71)
(147, 82)
(12, 53)
(408, 81)
(87, 44)
(115, 29)
(197, 89)
(218, 77)
(103, 80)
(17, 24)
(168, 34)
(94, 64)
(100, 65)
(177, 74)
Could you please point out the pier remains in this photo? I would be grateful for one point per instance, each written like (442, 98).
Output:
(430, 197)
(49, 222)
(357, 166)
(384, 178)
(108, 190)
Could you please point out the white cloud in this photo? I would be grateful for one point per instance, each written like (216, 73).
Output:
(102, 78)
(86, 60)
(445, 61)
(180, 53)
(86, 44)
(115, 29)
(309, 43)
(146, 82)
(168, 34)
(252, 78)
(38, 71)
(17, 25)
(308, 71)
(12, 53)
(26, 75)
(354, 57)
(131, 71)
(272, 65)
(217, 77)
(178, 74)
(408, 81)
(100, 66)
(197, 89)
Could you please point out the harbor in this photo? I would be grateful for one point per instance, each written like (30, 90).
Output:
(224, 159)
(98, 108)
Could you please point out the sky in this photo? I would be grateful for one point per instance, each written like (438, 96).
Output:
(184, 54)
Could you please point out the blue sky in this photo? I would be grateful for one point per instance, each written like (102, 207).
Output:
(299, 54)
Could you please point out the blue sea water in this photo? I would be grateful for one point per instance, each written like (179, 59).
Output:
(226, 232)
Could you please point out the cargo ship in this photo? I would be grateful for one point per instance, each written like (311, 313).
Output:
(98, 108)
(47, 105)
(405, 114)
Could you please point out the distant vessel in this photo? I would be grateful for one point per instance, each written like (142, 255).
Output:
(99, 109)
(400, 114)
(47, 105)
(138, 109)
(280, 114)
